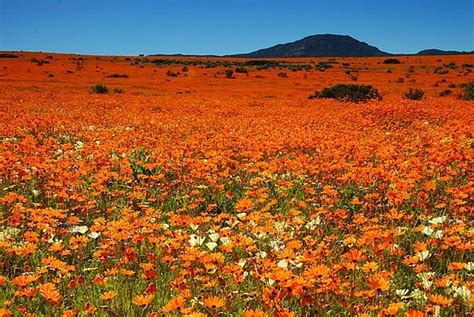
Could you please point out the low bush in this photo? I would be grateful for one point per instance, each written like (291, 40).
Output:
(414, 94)
(469, 91)
(170, 73)
(100, 89)
(7, 55)
(228, 73)
(118, 75)
(391, 61)
(241, 70)
(446, 92)
(348, 92)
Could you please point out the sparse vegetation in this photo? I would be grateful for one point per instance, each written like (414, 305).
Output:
(229, 73)
(100, 89)
(445, 92)
(171, 73)
(241, 69)
(391, 61)
(348, 92)
(8, 55)
(414, 94)
(469, 91)
(115, 75)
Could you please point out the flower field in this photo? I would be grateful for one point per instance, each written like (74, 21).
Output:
(184, 191)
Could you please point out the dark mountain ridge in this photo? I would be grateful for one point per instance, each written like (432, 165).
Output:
(320, 45)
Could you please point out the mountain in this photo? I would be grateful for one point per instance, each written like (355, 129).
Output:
(320, 45)
(434, 51)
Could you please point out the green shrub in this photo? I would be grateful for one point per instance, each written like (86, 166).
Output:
(391, 61)
(446, 92)
(469, 91)
(170, 73)
(241, 69)
(185, 69)
(414, 94)
(322, 66)
(348, 92)
(118, 91)
(7, 55)
(228, 73)
(100, 89)
(118, 75)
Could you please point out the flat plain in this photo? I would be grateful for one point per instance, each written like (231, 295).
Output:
(189, 189)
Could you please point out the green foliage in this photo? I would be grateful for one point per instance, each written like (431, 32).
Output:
(170, 73)
(446, 92)
(348, 92)
(228, 73)
(7, 55)
(322, 66)
(414, 94)
(39, 62)
(469, 91)
(241, 69)
(100, 89)
(115, 75)
(391, 61)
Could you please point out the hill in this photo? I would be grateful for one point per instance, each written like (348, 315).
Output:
(434, 51)
(321, 45)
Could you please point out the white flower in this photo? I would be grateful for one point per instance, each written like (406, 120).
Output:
(194, 227)
(426, 279)
(211, 245)
(283, 264)
(403, 293)
(226, 240)
(428, 231)
(93, 235)
(423, 255)
(462, 291)
(214, 236)
(195, 240)
(437, 220)
(469, 266)
(79, 229)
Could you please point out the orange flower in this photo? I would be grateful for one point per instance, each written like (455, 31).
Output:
(143, 300)
(243, 205)
(254, 313)
(49, 292)
(108, 295)
(175, 304)
(214, 302)
(440, 300)
(5, 312)
(393, 308)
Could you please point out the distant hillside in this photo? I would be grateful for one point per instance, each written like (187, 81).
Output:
(434, 51)
(321, 45)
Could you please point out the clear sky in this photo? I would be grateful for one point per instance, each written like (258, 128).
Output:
(229, 26)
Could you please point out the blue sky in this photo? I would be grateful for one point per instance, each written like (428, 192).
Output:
(229, 26)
